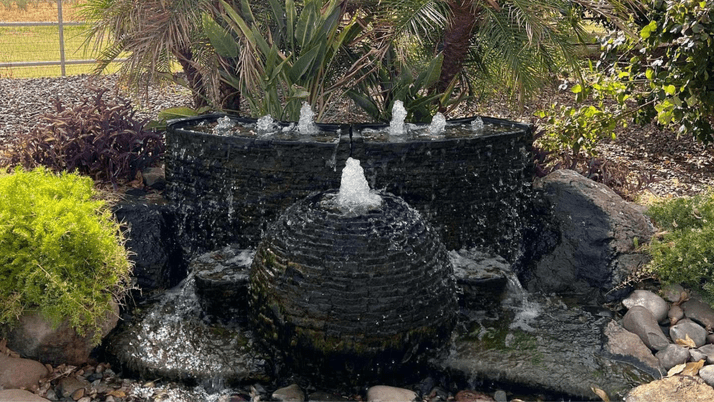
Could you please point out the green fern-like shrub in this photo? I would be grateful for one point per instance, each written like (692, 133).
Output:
(61, 250)
(684, 251)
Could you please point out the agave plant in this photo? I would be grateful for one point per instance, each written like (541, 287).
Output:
(290, 57)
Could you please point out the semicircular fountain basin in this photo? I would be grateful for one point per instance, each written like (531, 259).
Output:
(352, 292)
(470, 186)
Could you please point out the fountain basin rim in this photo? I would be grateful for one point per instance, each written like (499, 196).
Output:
(347, 129)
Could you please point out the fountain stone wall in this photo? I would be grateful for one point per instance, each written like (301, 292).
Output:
(473, 191)
(354, 292)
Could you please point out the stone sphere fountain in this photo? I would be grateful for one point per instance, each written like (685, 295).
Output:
(354, 280)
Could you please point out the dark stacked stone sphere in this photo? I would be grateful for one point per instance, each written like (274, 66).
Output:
(360, 292)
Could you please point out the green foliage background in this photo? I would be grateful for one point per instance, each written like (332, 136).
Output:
(684, 253)
(61, 251)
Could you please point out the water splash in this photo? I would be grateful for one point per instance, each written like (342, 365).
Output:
(438, 124)
(224, 126)
(306, 124)
(477, 124)
(266, 125)
(354, 190)
(396, 126)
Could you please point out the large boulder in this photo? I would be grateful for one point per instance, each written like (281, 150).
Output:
(36, 338)
(599, 234)
(676, 388)
(157, 260)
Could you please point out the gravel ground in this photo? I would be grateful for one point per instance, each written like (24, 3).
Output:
(22, 101)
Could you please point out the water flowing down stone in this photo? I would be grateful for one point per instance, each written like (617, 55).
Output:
(306, 124)
(399, 114)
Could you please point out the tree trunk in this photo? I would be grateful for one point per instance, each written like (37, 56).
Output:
(457, 38)
(193, 77)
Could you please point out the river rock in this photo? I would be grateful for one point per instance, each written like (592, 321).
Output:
(687, 327)
(291, 393)
(708, 351)
(673, 292)
(640, 321)
(675, 314)
(625, 343)
(673, 389)
(700, 312)
(36, 338)
(20, 373)
(385, 393)
(468, 395)
(672, 355)
(70, 386)
(597, 249)
(655, 304)
(707, 374)
(19, 395)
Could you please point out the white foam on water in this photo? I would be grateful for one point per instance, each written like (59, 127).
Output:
(354, 190)
(477, 124)
(438, 124)
(224, 126)
(399, 114)
(266, 124)
(306, 124)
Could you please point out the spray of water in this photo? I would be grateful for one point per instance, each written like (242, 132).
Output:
(399, 114)
(306, 124)
(438, 124)
(354, 189)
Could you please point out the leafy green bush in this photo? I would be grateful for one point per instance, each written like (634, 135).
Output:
(684, 252)
(61, 251)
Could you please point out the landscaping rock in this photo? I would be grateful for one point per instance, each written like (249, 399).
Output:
(640, 321)
(548, 345)
(20, 373)
(672, 355)
(707, 374)
(154, 251)
(700, 312)
(675, 314)
(597, 248)
(625, 343)
(291, 393)
(673, 389)
(36, 338)
(687, 327)
(468, 395)
(673, 293)
(384, 393)
(655, 304)
(19, 395)
(68, 387)
(708, 351)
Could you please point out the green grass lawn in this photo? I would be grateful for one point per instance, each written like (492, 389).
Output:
(42, 44)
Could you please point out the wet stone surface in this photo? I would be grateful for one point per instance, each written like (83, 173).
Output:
(540, 344)
(222, 278)
(171, 339)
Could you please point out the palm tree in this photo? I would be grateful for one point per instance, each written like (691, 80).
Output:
(516, 43)
(154, 34)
